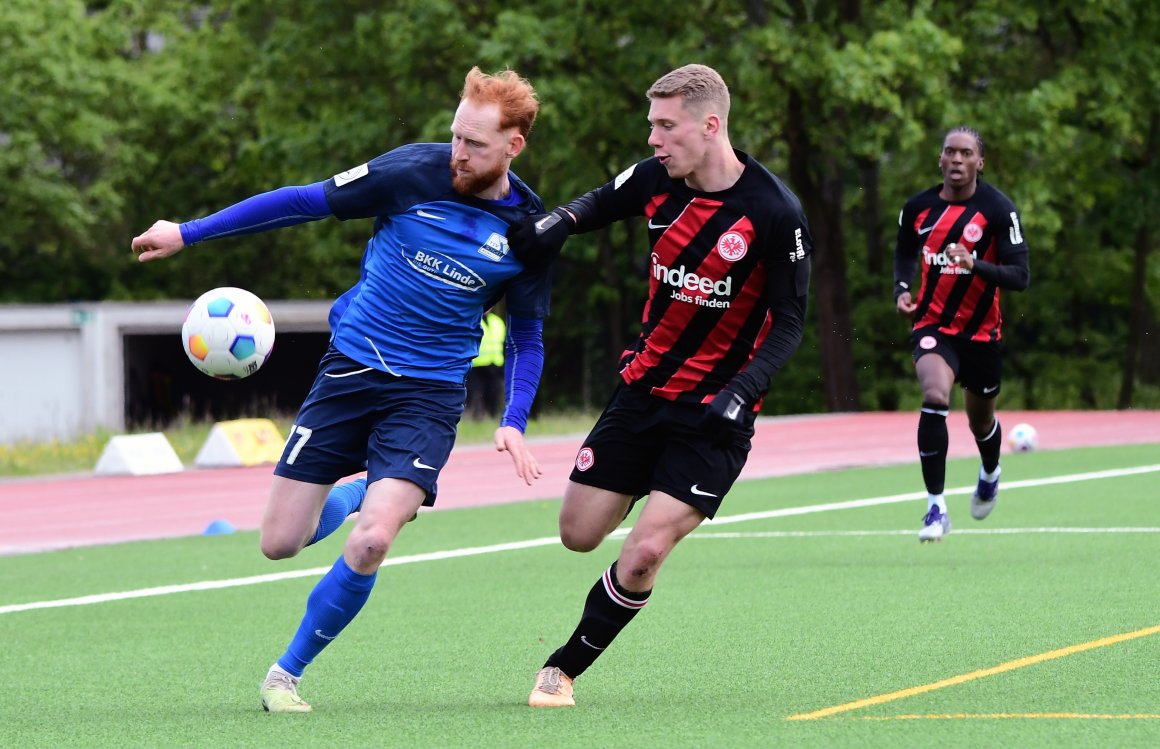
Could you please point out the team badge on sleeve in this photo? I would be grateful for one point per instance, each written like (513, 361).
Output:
(620, 178)
(799, 249)
(350, 175)
(1016, 234)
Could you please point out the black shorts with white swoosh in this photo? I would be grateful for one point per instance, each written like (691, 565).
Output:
(642, 443)
(978, 365)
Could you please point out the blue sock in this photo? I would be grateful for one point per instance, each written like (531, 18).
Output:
(340, 503)
(333, 603)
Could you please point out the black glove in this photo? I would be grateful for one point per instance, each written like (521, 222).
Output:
(536, 240)
(725, 416)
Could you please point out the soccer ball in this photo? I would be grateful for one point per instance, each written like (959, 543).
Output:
(228, 333)
(1023, 438)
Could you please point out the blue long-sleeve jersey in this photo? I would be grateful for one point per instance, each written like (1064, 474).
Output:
(436, 261)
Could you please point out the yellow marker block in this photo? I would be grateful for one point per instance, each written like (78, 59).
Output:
(241, 442)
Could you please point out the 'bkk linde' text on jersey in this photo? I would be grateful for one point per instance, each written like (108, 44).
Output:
(436, 262)
(958, 301)
(721, 264)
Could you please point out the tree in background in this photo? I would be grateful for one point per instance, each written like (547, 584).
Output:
(846, 99)
(64, 148)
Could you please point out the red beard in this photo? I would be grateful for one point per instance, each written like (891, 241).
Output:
(477, 182)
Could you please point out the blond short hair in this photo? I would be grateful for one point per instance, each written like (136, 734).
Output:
(699, 85)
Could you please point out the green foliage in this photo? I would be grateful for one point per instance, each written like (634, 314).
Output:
(117, 113)
(60, 147)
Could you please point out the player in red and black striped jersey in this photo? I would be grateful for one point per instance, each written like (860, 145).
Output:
(968, 238)
(728, 278)
(723, 279)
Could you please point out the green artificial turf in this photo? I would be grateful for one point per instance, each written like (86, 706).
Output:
(751, 623)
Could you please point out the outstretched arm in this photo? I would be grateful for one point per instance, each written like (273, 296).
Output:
(537, 240)
(285, 206)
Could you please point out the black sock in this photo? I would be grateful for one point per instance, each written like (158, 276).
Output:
(933, 443)
(989, 448)
(608, 609)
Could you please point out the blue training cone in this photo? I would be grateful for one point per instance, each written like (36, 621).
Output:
(219, 528)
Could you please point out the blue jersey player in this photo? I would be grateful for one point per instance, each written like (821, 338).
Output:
(390, 391)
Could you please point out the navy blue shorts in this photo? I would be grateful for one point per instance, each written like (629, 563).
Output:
(978, 365)
(357, 417)
(641, 443)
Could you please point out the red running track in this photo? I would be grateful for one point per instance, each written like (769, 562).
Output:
(62, 512)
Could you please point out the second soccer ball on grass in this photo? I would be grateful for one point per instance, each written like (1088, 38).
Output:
(1023, 438)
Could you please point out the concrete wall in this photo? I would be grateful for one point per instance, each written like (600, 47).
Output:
(62, 368)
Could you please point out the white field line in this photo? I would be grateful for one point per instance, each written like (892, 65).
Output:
(238, 582)
(873, 501)
(912, 532)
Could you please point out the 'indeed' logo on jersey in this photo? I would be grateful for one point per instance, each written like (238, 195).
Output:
(444, 269)
(684, 281)
(946, 265)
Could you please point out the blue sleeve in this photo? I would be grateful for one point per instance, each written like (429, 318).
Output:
(523, 364)
(391, 182)
(285, 206)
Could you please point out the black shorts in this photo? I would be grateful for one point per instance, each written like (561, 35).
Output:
(978, 365)
(641, 443)
(357, 417)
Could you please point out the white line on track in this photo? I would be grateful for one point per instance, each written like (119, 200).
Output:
(957, 531)
(620, 533)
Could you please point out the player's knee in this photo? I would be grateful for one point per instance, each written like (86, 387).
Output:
(981, 427)
(936, 394)
(643, 559)
(368, 547)
(279, 547)
(579, 539)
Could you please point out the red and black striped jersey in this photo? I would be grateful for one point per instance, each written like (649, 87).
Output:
(958, 301)
(728, 273)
